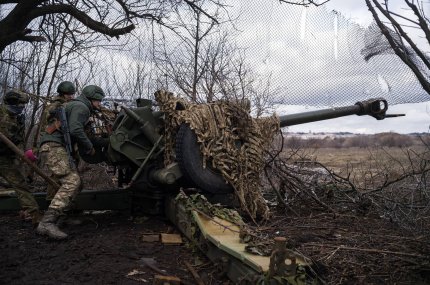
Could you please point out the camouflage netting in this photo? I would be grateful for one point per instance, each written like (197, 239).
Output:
(199, 203)
(219, 126)
(256, 242)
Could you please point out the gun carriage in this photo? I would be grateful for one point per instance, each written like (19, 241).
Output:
(136, 147)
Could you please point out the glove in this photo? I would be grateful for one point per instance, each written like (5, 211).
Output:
(30, 155)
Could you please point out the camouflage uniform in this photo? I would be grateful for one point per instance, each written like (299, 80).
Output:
(55, 157)
(48, 117)
(12, 126)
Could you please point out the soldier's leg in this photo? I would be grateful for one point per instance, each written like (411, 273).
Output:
(50, 190)
(58, 163)
(66, 194)
(10, 171)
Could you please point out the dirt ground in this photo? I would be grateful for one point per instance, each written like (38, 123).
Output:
(106, 249)
(350, 246)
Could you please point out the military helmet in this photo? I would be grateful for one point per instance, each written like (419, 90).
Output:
(66, 87)
(14, 97)
(93, 92)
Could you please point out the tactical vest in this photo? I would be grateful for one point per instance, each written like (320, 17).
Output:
(48, 116)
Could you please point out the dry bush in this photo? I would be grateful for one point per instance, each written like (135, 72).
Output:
(365, 223)
(389, 180)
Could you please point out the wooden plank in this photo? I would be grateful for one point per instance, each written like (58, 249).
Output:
(171, 239)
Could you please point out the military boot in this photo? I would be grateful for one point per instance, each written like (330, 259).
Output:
(47, 226)
(67, 220)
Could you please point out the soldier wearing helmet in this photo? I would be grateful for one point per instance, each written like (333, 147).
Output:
(66, 91)
(12, 125)
(54, 153)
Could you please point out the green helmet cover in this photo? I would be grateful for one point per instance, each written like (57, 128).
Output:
(14, 97)
(93, 92)
(66, 87)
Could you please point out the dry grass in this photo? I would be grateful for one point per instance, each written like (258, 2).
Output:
(363, 162)
(372, 227)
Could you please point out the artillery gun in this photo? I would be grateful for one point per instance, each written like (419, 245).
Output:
(136, 148)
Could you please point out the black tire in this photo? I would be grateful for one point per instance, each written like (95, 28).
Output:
(190, 162)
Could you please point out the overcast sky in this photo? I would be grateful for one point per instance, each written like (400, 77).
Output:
(417, 117)
(315, 57)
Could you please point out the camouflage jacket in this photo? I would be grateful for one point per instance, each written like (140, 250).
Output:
(78, 112)
(13, 127)
(48, 116)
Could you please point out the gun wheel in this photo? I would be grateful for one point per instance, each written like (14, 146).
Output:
(190, 162)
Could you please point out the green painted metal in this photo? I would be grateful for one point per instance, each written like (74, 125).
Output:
(151, 152)
(137, 140)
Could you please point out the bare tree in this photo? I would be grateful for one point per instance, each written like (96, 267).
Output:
(37, 69)
(399, 40)
(205, 64)
(186, 62)
(110, 18)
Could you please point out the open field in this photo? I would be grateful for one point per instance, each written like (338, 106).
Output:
(359, 159)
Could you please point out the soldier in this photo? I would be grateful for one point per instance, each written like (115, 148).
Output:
(66, 91)
(12, 125)
(54, 152)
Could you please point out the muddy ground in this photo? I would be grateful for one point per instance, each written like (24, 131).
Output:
(106, 249)
(346, 246)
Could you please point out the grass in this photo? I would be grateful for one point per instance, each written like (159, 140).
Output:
(371, 164)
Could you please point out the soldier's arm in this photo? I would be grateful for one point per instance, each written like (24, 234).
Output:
(77, 119)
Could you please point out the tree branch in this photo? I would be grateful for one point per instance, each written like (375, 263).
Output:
(9, 2)
(399, 51)
(305, 3)
(423, 23)
(81, 17)
(195, 7)
(129, 13)
(402, 33)
(32, 39)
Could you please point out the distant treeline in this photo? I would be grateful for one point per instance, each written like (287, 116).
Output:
(382, 139)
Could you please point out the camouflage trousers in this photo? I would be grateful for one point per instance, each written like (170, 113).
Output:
(54, 156)
(10, 170)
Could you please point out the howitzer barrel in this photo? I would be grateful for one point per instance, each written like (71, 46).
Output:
(373, 107)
